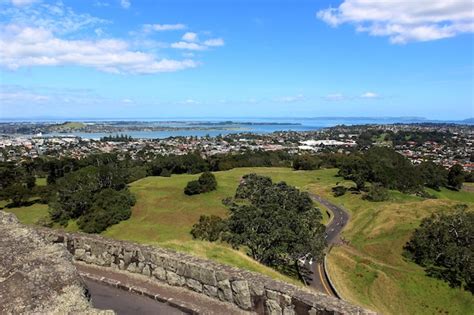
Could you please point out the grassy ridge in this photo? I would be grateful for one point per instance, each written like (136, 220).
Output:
(370, 269)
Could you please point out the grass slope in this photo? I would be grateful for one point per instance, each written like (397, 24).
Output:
(370, 269)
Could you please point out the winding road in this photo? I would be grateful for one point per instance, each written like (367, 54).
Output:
(340, 218)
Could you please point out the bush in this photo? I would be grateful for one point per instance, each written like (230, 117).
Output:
(377, 193)
(206, 182)
(192, 188)
(209, 228)
(338, 191)
(306, 162)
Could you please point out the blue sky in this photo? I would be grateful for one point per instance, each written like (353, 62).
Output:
(125, 59)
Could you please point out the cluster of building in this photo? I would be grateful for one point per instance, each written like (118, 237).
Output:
(455, 148)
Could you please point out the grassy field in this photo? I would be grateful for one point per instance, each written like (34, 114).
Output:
(369, 270)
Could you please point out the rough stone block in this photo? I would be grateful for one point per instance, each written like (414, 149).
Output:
(272, 308)
(224, 291)
(174, 279)
(209, 290)
(241, 294)
(194, 285)
(159, 273)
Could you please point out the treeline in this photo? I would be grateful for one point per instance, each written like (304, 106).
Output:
(117, 138)
(388, 169)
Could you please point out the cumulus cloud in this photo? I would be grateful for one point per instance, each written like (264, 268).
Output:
(188, 46)
(23, 2)
(27, 46)
(369, 95)
(163, 27)
(125, 4)
(214, 42)
(404, 21)
(190, 37)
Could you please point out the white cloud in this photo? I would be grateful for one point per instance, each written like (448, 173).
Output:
(125, 4)
(26, 46)
(291, 99)
(23, 2)
(404, 21)
(127, 101)
(56, 18)
(191, 101)
(188, 46)
(214, 42)
(190, 37)
(335, 97)
(163, 27)
(370, 95)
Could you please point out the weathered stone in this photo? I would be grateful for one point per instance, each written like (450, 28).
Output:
(209, 290)
(159, 273)
(146, 271)
(79, 254)
(37, 277)
(194, 285)
(127, 257)
(289, 310)
(241, 294)
(121, 264)
(257, 288)
(272, 295)
(224, 291)
(272, 308)
(174, 279)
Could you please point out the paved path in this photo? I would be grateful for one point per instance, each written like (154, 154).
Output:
(105, 297)
(340, 218)
(159, 294)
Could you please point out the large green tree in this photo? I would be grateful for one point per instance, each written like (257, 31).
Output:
(444, 245)
(276, 222)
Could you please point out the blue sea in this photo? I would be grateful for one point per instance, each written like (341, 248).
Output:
(239, 125)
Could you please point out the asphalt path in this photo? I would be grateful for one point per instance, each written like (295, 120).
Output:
(123, 302)
(340, 217)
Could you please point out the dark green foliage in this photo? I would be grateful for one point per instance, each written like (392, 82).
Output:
(276, 222)
(455, 177)
(110, 207)
(384, 166)
(117, 138)
(339, 191)
(469, 177)
(306, 162)
(209, 228)
(444, 245)
(191, 163)
(17, 193)
(433, 175)
(206, 182)
(192, 188)
(377, 193)
(223, 162)
(16, 183)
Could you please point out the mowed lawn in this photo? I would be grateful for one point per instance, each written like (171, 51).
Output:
(370, 270)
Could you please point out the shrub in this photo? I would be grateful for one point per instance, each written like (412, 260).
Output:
(338, 191)
(192, 188)
(377, 193)
(209, 228)
(306, 162)
(206, 182)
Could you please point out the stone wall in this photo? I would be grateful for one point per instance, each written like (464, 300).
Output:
(36, 276)
(247, 290)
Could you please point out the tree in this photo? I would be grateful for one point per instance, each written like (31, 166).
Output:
(306, 162)
(276, 222)
(456, 177)
(339, 191)
(433, 175)
(209, 228)
(207, 181)
(110, 207)
(192, 188)
(444, 245)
